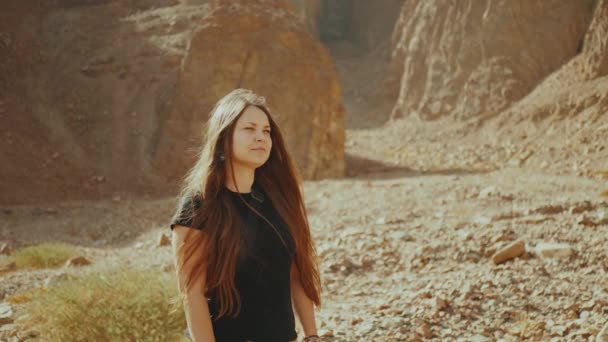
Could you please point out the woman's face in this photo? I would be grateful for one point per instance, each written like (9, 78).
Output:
(251, 142)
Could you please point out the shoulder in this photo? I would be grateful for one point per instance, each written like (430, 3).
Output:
(186, 211)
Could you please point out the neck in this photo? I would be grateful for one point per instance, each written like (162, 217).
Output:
(244, 178)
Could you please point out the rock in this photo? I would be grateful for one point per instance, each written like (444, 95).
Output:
(365, 327)
(6, 313)
(553, 250)
(27, 335)
(511, 251)
(602, 336)
(480, 219)
(246, 30)
(5, 248)
(424, 330)
(581, 208)
(572, 87)
(441, 304)
(164, 240)
(494, 78)
(586, 221)
(424, 294)
(77, 262)
(559, 330)
(98, 243)
(168, 267)
(401, 236)
(487, 192)
(9, 267)
(549, 209)
(602, 217)
(326, 333)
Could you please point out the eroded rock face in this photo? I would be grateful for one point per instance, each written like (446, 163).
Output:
(259, 45)
(88, 104)
(567, 109)
(470, 58)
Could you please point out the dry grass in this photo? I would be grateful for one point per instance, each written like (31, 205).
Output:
(26, 296)
(602, 173)
(123, 305)
(45, 255)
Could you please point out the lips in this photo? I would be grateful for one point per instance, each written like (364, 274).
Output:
(259, 149)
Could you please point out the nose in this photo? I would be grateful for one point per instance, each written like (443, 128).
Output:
(259, 135)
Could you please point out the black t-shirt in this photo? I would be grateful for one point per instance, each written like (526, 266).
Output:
(262, 275)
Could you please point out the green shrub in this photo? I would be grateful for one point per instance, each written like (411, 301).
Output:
(122, 305)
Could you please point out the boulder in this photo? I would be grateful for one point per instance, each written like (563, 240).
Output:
(262, 46)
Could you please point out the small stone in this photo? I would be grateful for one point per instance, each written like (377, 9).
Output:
(586, 221)
(5, 248)
(553, 250)
(480, 219)
(77, 261)
(602, 215)
(513, 250)
(424, 330)
(602, 336)
(328, 333)
(441, 304)
(168, 267)
(581, 207)
(559, 330)
(6, 313)
(9, 267)
(487, 192)
(98, 243)
(164, 241)
(425, 294)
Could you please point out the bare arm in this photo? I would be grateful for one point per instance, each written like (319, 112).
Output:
(195, 303)
(303, 305)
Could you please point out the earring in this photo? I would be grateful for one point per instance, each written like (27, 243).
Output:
(222, 157)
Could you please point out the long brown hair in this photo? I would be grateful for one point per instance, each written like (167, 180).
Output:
(278, 178)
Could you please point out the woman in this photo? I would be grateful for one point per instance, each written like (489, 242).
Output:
(241, 238)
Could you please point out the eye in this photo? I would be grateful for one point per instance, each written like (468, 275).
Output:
(267, 131)
(249, 128)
